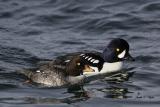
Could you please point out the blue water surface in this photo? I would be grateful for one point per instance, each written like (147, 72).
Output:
(32, 30)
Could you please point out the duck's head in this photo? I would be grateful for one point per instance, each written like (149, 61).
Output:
(117, 50)
(76, 67)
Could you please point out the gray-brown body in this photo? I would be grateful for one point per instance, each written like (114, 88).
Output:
(55, 73)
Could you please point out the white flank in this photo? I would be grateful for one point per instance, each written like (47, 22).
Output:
(121, 55)
(111, 67)
(107, 68)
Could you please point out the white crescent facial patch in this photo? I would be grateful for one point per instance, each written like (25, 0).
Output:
(121, 55)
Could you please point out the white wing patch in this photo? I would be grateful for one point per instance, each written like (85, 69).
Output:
(86, 57)
(81, 55)
(92, 60)
(96, 61)
(121, 55)
(67, 60)
(38, 71)
(89, 58)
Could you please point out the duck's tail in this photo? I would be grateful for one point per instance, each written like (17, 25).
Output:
(26, 72)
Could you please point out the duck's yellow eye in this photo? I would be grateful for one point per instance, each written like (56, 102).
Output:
(78, 64)
(117, 49)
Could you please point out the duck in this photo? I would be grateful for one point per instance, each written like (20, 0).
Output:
(110, 60)
(75, 67)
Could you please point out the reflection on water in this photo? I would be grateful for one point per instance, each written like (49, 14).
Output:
(78, 94)
(116, 93)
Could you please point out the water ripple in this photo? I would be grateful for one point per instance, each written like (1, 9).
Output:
(31, 30)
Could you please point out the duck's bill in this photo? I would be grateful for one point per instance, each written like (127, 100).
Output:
(129, 57)
(88, 69)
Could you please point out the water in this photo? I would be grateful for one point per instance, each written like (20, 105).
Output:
(31, 30)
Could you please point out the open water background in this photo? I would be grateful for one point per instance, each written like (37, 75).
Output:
(31, 30)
